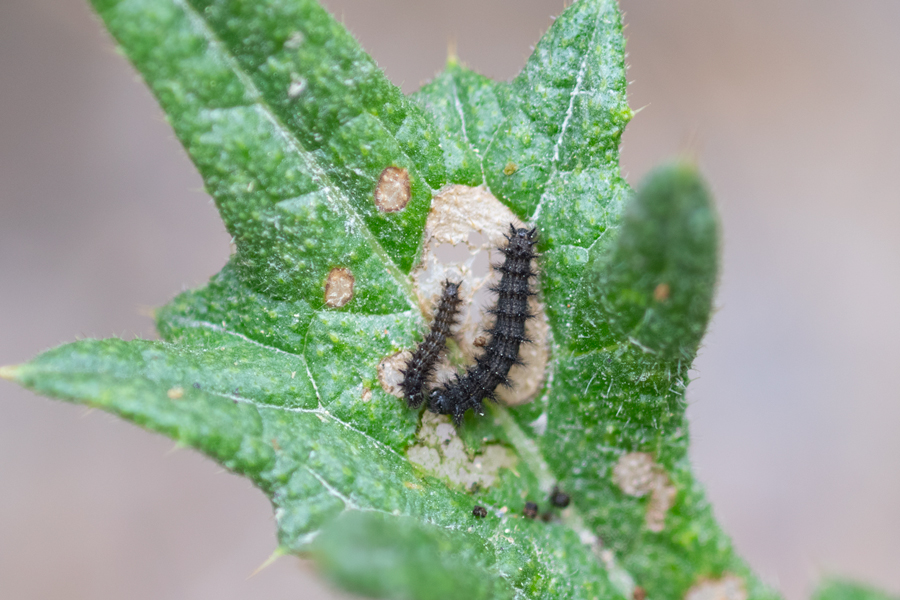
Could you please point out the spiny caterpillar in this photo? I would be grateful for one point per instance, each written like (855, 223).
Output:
(502, 351)
(421, 366)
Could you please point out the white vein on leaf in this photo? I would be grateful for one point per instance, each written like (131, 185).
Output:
(219, 329)
(332, 490)
(462, 118)
(322, 413)
(579, 79)
(203, 29)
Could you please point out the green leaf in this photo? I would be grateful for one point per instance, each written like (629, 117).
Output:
(655, 285)
(238, 401)
(464, 126)
(564, 113)
(384, 556)
(277, 368)
(837, 589)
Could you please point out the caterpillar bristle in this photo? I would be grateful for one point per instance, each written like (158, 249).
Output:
(501, 352)
(421, 366)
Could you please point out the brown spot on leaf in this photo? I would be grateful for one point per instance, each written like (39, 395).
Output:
(662, 498)
(510, 168)
(175, 393)
(728, 587)
(633, 473)
(637, 474)
(366, 394)
(392, 193)
(339, 287)
(638, 593)
(390, 372)
(661, 293)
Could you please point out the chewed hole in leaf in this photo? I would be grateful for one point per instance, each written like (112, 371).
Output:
(464, 228)
(339, 287)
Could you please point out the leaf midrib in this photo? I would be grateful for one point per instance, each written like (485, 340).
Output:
(529, 452)
(554, 162)
(333, 192)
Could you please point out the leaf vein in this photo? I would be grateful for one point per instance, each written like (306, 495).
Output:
(333, 491)
(579, 80)
(462, 118)
(204, 30)
(321, 412)
(219, 329)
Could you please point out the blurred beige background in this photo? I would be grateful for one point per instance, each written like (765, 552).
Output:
(792, 107)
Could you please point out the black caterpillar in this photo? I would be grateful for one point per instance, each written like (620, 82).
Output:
(502, 351)
(421, 366)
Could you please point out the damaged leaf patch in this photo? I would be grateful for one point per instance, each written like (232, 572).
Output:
(637, 474)
(462, 233)
(441, 452)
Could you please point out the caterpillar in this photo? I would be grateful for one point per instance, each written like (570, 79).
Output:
(508, 333)
(421, 366)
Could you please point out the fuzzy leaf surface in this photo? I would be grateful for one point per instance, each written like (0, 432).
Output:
(291, 126)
